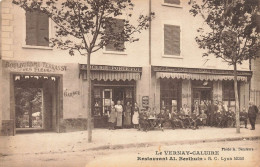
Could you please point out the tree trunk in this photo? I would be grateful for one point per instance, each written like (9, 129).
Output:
(30, 114)
(89, 100)
(236, 100)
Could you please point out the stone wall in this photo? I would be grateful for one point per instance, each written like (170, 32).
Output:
(7, 29)
(255, 82)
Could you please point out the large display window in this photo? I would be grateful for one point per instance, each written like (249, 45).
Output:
(170, 90)
(229, 94)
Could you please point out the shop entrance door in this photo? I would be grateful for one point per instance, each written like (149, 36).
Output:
(102, 97)
(119, 93)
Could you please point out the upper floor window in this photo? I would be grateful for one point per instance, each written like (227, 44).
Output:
(172, 2)
(172, 40)
(37, 29)
(117, 44)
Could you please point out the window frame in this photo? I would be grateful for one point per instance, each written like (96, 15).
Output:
(173, 93)
(172, 5)
(229, 85)
(116, 52)
(174, 23)
(25, 46)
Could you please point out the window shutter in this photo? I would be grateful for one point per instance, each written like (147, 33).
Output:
(118, 27)
(172, 40)
(43, 29)
(31, 28)
(176, 2)
(37, 29)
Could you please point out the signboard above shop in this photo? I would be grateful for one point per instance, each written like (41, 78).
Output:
(36, 67)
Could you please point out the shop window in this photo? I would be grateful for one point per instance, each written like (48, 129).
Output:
(170, 94)
(37, 29)
(28, 108)
(116, 28)
(172, 40)
(229, 93)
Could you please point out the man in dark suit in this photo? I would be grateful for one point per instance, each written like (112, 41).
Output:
(252, 112)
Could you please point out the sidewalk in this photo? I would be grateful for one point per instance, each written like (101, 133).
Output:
(43, 143)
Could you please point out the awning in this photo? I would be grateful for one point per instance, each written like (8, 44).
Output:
(107, 75)
(210, 77)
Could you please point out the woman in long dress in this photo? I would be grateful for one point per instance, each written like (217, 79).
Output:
(127, 115)
(136, 116)
(119, 113)
(112, 117)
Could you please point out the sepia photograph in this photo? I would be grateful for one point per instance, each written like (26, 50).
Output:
(130, 83)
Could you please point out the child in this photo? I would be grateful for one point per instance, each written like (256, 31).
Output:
(143, 120)
(203, 118)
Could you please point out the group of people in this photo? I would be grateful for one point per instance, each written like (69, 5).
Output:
(123, 116)
(203, 114)
(219, 115)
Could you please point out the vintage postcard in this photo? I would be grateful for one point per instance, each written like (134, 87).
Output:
(138, 83)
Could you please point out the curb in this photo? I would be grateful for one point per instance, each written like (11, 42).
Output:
(144, 144)
(148, 144)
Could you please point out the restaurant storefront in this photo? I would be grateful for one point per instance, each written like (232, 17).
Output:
(186, 86)
(110, 83)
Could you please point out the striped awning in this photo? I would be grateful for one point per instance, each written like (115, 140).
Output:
(210, 77)
(111, 75)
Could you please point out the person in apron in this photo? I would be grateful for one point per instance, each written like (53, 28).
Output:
(136, 116)
(119, 113)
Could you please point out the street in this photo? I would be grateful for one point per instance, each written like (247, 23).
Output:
(247, 152)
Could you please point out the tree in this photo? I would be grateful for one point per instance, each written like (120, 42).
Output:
(231, 33)
(87, 26)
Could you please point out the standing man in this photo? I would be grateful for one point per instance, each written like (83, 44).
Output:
(252, 112)
(209, 112)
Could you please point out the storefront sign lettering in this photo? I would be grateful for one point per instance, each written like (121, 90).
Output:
(145, 101)
(111, 68)
(72, 94)
(199, 71)
(34, 67)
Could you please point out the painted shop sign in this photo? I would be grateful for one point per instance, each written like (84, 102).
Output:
(145, 101)
(72, 94)
(199, 71)
(39, 67)
(111, 68)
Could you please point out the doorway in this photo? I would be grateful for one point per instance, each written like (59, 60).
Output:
(104, 92)
(36, 103)
(201, 91)
(202, 95)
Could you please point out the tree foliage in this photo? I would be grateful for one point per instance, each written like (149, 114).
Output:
(87, 25)
(233, 34)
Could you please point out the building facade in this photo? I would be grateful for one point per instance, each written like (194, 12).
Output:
(164, 68)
